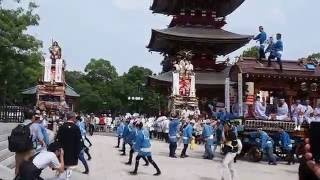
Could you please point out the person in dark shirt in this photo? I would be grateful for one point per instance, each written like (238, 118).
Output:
(230, 151)
(69, 137)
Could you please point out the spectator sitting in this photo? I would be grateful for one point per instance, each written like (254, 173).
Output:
(260, 109)
(282, 111)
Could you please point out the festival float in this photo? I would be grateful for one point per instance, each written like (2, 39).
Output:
(52, 93)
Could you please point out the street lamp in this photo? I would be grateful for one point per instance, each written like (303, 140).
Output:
(136, 99)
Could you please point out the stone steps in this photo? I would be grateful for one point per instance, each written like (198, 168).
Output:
(7, 159)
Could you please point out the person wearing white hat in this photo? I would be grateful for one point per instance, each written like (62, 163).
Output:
(187, 136)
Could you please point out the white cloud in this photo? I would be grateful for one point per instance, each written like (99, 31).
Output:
(131, 4)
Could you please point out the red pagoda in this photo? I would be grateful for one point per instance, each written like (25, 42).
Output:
(196, 27)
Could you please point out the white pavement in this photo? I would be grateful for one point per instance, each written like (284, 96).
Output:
(107, 164)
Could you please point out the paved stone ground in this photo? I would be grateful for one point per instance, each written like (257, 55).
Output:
(107, 164)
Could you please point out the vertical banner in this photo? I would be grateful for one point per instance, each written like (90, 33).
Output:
(193, 86)
(240, 94)
(175, 83)
(58, 72)
(47, 70)
(227, 94)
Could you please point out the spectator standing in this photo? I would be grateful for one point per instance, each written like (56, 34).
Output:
(69, 137)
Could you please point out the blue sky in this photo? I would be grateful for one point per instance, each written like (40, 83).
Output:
(119, 30)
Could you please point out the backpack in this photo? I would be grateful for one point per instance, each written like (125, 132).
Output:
(20, 139)
(28, 171)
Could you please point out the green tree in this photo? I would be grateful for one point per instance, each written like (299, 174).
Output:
(314, 55)
(100, 70)
(19, 52)
(251, 52)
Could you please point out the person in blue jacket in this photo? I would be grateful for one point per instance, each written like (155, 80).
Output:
(173, 131)
(266, 145)
(207, 134)
(120, 129)
(276, 52)
(261, 38)
(125, 135)
(131, 141)
(286, 145)
(143, 147)
(187, 136)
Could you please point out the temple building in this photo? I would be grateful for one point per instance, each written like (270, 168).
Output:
(196, 26)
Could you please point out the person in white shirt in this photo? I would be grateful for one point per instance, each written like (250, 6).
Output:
(165, 129)
(53, 158)
(297, 113)
(282, 111)
(308, 111)
(317, 113)
(260, 109)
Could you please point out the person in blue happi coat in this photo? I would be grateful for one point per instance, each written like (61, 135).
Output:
(143, 147)
(276, 51)
(125, 135)
(207, 134)
(131, 139)
(187, 136)
(286, 145)
(120, 129)
(266, 145)
(261, 38)
(173, 131)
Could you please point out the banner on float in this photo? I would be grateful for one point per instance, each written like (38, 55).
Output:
(58, 72)
(47, 70)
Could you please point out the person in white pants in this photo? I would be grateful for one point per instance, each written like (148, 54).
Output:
(316, 113)
(308, 111)
(230, 150)
(282, 111)
(297, 113)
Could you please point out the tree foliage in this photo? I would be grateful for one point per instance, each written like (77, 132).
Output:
(19, 52)
(251, 52)
(314, 55)
(101, 89)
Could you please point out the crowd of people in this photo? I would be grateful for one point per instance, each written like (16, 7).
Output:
(68, 145)
(299, 112)
(213, 133)
(36, 151)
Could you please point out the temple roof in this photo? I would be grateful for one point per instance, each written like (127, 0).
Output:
(216, 41)
(291, 69)
(172, 7)
(202, 78)
(69, 91)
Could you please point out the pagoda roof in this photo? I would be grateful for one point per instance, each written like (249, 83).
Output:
(69, 91)
(202, 78)
(291, 69)
(217, 41)
(173, 7)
